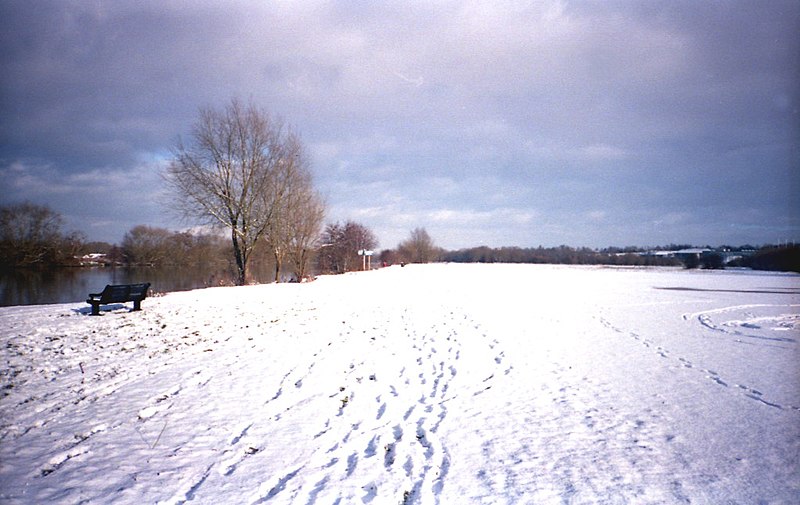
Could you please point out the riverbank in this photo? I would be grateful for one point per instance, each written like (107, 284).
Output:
(423, 384)
(73, 284)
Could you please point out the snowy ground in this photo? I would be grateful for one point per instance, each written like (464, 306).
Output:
(426, 384)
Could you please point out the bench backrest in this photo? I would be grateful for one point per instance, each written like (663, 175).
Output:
(124, 292)
(139, 290)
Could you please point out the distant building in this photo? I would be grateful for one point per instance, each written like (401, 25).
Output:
(691, 254)
(94, 259)
(682, 254)
(699, 253)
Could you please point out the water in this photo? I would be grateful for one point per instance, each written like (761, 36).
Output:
(67, 285)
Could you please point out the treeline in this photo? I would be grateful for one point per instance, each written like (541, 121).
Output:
(784, 258)
(151, 246)
(563, 255)
(417, 248)
(334, 251)
(774, 258)
(32, 236)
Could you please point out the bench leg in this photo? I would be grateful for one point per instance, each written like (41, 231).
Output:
(95, 309)
(137, 305)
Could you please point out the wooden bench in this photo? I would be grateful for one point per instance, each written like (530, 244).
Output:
(119, 293)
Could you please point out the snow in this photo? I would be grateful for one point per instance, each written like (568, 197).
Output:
(424, 384)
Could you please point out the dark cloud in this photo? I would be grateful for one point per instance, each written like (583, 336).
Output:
(507, 123)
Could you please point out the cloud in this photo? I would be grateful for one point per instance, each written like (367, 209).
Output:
(484, 110)
(101, 202)
(466, 217)
(603, 152)
(596, 215)
(417, 82)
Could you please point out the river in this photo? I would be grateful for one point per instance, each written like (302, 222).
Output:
(66, 285)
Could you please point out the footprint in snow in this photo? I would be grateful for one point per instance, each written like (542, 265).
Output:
(148, 412)
(59, 459)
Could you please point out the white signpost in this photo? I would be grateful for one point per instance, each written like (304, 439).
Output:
(366, 258)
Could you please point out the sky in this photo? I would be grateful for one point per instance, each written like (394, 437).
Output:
(486, 123)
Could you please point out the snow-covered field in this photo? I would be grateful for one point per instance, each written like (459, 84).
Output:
(427, 384)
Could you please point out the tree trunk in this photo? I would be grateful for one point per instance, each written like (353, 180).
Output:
(241, 261)
(277, 266)
(301, 269)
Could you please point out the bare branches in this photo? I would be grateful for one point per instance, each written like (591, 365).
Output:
(238, 172)
(30, 235)
(341, 244)
(418, 248)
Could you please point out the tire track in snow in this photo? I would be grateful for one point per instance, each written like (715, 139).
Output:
(785, 321)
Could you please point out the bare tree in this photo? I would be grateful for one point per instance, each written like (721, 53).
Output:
(30, 235)
(236, 172)
(358, 237)
(341, 245)
(418, 248)
(308, 209)
(147, 245)
(331, 257)
(295, 228)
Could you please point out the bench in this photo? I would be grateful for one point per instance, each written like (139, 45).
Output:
(119, 293)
